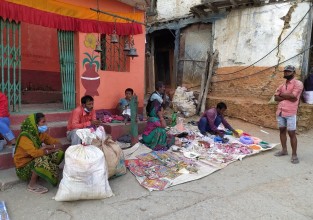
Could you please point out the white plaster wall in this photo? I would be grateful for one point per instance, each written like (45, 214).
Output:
(246, 35)
(170, 9)
(197, 43)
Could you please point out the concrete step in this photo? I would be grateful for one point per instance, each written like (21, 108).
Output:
(8, 179)
(17, 118)
(6, 156)
(55, 129)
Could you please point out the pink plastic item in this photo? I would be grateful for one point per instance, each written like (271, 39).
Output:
(256, 140)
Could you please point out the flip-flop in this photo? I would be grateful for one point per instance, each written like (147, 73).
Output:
(280, 153)
(37, 189)
(295, 160)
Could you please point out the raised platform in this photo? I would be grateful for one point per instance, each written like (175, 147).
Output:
(259, 112)
(117, 130)
(57, 122)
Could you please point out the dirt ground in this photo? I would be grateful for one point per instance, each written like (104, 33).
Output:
(258, 187)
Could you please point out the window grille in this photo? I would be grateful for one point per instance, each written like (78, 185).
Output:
(113, 57)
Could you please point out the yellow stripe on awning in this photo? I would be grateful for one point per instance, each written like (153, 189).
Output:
(76, 11)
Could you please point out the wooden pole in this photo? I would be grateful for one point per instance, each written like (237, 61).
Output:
(207, 86)
(203, 80)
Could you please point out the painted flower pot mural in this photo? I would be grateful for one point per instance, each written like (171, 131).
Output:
(90, 78)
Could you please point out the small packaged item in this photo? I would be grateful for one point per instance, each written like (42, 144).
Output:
(3, 211)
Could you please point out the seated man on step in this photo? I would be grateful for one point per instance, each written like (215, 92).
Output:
(212, 118)
(83, 116)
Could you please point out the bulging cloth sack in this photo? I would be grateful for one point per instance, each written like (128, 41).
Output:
(114, 157)
(84, 175)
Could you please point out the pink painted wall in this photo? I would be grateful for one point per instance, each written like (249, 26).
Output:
(112, 84)
(40, 58)
(39, 48)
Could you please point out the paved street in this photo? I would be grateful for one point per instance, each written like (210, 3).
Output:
(259, 187)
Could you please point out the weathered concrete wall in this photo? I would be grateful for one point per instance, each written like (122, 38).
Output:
(167, 10)
(195, 42)
(245, 36)
(261, 113)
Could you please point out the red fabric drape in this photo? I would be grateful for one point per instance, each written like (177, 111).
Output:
(33, 16)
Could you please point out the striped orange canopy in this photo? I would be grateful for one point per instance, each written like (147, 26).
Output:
(70, 17)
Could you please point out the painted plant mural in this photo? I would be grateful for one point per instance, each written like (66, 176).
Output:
(90, 78)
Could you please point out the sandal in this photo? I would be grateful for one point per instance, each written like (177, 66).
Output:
(37, 189)
(280, 153)
(295, 160)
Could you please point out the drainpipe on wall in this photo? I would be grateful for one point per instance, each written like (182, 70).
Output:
(176, 54)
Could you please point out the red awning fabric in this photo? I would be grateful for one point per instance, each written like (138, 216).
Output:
(34, 16)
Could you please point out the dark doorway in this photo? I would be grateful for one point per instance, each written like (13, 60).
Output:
(164, 57)
(163, 67)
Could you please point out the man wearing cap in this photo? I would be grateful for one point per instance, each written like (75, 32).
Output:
(288, 96)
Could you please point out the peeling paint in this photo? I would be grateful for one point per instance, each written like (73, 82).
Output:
(246, 35)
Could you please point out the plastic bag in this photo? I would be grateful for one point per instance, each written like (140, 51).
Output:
(272, 101)
(308, 97)
(84, 175)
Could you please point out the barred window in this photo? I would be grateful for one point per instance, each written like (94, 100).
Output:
(113, 56)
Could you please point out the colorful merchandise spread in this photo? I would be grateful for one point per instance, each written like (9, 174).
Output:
(198, 157)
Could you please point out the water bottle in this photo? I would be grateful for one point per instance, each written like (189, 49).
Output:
(174, 118)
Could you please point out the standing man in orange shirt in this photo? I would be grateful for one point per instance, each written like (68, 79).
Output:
(81, 117)
(288, 96)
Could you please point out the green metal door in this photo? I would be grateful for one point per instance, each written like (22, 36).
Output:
(67, 64)
(10, 61)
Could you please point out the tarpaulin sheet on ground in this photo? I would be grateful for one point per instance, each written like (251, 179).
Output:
(201, 156)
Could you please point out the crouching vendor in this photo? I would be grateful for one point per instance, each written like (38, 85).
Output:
(33, 159)
(212, 118)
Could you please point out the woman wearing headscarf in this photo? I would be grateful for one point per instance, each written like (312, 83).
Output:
(154, 135)
(37, 154)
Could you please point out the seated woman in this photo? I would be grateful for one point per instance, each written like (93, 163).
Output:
(154, 135)
(6, 135)
(37, 154)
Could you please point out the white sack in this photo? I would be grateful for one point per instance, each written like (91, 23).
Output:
(84, 175)
(308, 97)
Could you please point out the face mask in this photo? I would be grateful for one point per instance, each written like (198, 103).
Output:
(288, 77)
(86, 110)
(42, 129)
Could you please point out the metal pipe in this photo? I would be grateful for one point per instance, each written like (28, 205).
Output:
(121, 17)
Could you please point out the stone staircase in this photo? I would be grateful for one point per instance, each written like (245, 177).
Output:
(260, 112)
(57, 122)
